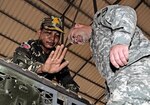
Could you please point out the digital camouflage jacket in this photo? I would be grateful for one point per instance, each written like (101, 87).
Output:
(113, 25)
(129, 84)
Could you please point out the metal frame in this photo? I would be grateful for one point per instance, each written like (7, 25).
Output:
(58, 92)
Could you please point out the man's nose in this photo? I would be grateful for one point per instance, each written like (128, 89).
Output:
(52, 36)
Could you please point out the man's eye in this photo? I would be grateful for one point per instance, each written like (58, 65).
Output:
(49, 32)
(57, 34)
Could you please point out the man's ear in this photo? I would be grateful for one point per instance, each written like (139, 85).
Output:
(39, 32)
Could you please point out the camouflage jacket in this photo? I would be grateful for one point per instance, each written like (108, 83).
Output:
(29, 55)
(113, 25)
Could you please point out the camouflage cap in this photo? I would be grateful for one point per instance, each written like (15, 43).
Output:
(52, 23)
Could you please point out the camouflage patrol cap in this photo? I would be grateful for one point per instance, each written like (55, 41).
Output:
(52, 23)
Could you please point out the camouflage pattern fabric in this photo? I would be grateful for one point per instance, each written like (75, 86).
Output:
(113, 25)
(131, 86)
(29, 55)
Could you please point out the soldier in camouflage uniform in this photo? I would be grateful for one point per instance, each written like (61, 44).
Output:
(121, 53)
(43, 57)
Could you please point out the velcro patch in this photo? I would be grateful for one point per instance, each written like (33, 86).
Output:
(25, 45)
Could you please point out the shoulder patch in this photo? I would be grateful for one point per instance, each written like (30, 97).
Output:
(104, 11)
(25, 45)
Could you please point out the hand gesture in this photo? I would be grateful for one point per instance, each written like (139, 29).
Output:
(54, 62)
(119, 55)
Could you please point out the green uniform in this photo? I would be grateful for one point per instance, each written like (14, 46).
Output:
(30, 55)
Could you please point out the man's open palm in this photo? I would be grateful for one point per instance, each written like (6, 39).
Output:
(54, 62)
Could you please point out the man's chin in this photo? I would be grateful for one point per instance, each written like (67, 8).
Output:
(49, 46)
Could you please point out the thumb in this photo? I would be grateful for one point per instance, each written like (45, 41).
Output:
(64, 64)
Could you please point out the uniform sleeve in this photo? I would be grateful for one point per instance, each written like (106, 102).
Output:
(22, 57)
(123, 23)
(66, 80)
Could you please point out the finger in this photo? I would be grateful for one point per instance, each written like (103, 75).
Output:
(126, 53)
(56, 52)
(64, 64)
(63, 54)
(112, 60)
(122, 58)
(51, 56)
(118, 58)
(60, 51)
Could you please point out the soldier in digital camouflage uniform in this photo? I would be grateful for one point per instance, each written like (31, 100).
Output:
(43, 57)
(121, 53)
